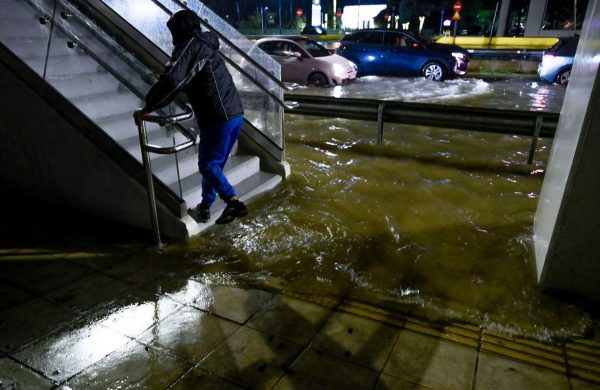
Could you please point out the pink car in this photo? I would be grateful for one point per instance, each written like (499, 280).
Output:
(305, 61)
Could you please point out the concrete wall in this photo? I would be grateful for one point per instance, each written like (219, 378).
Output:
(567, 222)
(47, 157)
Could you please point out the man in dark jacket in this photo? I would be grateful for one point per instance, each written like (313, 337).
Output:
(197, 69)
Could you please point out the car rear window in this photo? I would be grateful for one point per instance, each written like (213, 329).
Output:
(565, 47)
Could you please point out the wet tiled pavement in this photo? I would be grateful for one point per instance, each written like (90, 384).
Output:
(91, 311)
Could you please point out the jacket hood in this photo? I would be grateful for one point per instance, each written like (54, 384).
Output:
(210, 38)
(183, 25)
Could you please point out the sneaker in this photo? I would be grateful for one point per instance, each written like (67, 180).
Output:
(203, 213)
(233, 210)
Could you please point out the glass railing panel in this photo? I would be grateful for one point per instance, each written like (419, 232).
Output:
(237, 38)
(25, 30)
(106, 83)
(259, 108)
(150, 17)
(273, 120)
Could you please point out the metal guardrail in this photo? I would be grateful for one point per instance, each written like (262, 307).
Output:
(505, 54)
(146, 148)
(490, 120)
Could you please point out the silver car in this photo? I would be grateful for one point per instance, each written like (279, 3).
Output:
(558, 60)
(305, 61)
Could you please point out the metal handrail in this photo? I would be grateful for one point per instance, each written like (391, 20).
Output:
(505, 54)
(146, 148)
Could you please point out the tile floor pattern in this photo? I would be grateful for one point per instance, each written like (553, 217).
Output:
(88, 315)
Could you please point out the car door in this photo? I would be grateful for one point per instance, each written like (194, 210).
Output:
(369, 53)
(404, 55)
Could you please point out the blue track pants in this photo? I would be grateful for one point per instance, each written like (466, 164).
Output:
(216, 143)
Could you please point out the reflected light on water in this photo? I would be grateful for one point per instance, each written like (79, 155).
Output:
(507, 94)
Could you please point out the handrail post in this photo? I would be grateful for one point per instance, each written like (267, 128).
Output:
(150, 183)
(534, 138)
(146, 149)
(380, 110)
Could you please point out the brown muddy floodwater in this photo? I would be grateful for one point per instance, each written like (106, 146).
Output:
(437, 223)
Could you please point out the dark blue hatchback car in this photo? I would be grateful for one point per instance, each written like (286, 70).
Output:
(399, 53)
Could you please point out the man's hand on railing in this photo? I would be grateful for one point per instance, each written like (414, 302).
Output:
(139, 115)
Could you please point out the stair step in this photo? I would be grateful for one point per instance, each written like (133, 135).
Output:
(122, 128)
(114, 102)
(167, 163)
(254, 185)
(238, 168)
(72, 63)
(188, 167)
(85, 85)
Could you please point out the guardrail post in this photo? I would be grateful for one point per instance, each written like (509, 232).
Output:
(150, 183)
(534, 138)
(380, 110)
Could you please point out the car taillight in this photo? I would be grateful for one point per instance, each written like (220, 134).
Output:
(337, 45)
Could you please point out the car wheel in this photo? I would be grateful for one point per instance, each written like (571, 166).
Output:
(434, 71)
(317, 79)
(563, 77)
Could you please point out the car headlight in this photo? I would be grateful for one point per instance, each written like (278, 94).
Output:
(339, 70)
(458, 55)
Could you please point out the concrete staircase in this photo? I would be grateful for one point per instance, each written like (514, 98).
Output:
(85, 73)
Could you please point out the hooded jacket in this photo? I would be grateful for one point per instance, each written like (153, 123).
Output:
(197, 69)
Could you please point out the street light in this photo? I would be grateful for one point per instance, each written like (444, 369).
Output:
(358, 16)
(262, 19)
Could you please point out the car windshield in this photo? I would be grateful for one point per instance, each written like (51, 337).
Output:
(315, 49)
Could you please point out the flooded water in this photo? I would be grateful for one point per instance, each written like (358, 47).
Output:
(516, 94)
(435, 222)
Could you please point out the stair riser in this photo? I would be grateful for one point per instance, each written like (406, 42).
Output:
(78, 87)
(235, 174)
(62, 66)
(100, 105)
